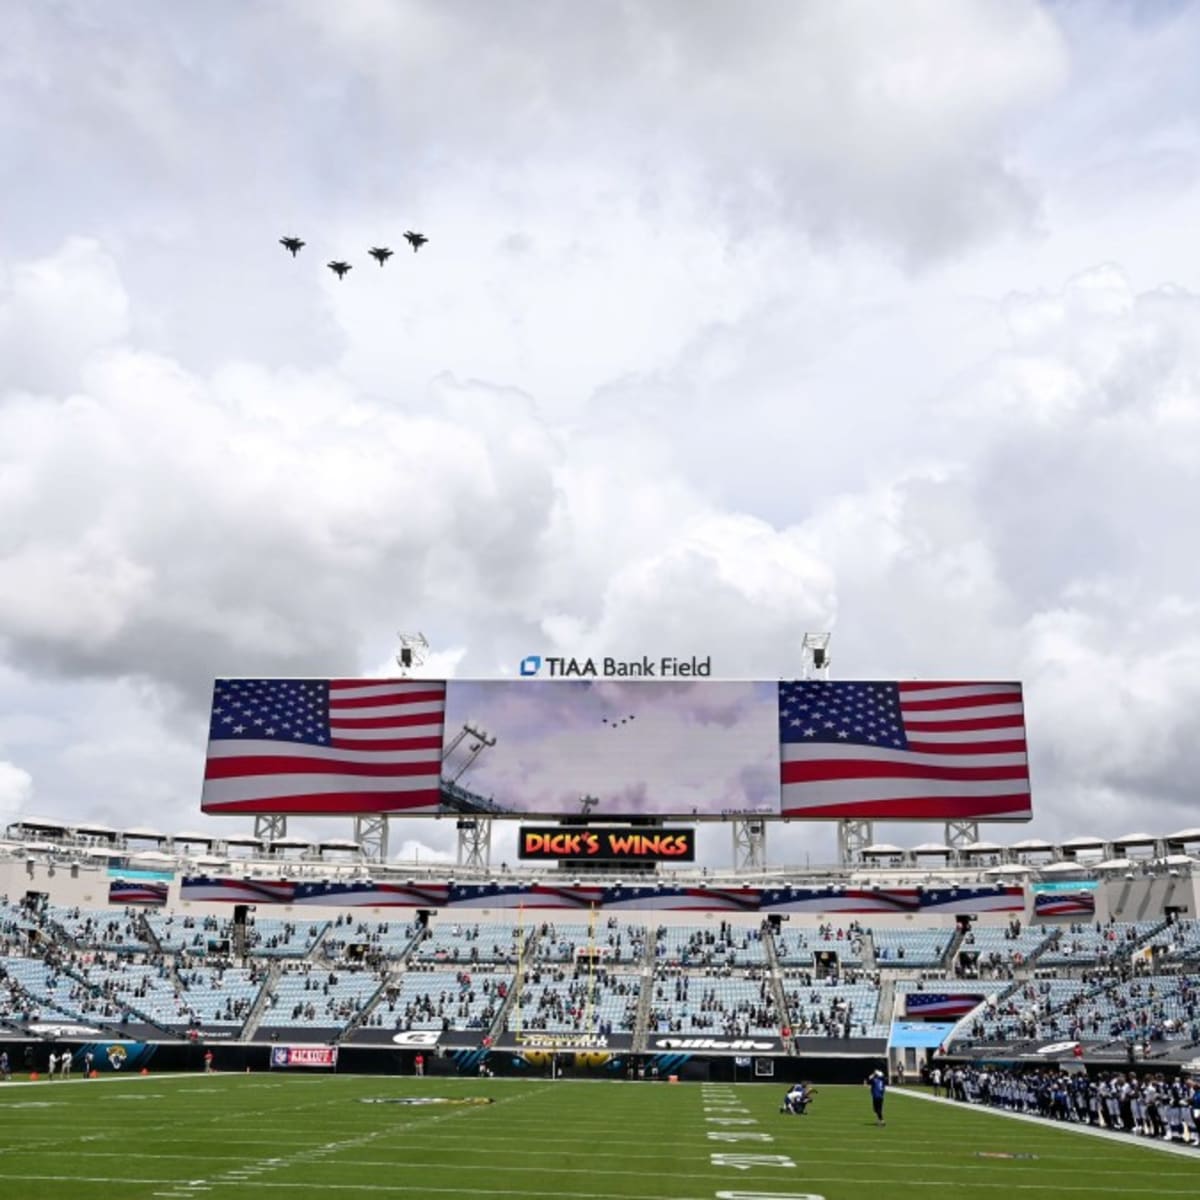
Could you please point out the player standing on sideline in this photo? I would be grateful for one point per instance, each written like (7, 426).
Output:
(878, 1085)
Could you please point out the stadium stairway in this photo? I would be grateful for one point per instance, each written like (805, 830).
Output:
(380, 993)
(315, 953)
(1027, 966)
(951, 951)
(147, 932)
(868, 951)
(261, 1003)
(885, 1013)
(646, 997)
(500, 1024)
(777, 988)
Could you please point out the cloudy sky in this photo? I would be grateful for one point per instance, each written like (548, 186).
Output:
(736, 321)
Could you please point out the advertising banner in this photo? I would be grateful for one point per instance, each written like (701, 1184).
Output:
(304, 1056)
(701, 1044)
(554, 844)
(563, 1041)
(687, 748)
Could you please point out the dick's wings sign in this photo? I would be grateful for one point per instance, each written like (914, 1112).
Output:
(552, 843)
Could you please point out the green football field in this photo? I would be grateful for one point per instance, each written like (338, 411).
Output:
(343, 1137)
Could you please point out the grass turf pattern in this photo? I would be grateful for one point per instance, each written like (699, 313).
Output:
(280, 1136)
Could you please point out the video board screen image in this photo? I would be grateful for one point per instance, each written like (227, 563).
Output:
(617, 750)
(620, 749)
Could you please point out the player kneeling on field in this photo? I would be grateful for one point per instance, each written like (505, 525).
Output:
(797, 1100)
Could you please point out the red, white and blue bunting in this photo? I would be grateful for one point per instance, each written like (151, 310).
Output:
(613, 898)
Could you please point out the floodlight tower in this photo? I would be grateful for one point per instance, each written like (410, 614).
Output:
(853, 836)
(474, 832)
(371, 829)
(414, 650)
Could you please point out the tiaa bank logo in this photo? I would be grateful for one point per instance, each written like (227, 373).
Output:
(531, 664)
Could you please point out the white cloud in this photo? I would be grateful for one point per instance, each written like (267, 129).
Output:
(16, 791)
(732, 325)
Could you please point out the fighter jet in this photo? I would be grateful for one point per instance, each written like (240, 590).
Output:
(415, 240)
(339, 268)
(380, 254)
(294, 244)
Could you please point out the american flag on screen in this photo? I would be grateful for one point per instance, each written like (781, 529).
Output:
(903, 751)
(325, 746)
(929, 1004)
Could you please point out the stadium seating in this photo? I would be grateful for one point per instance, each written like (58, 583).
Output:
(318, 997)
(911, 947)
(99, 928)
(468, 943)
(220, 996)
(796, 946)
(583, 1000)
(388, 940)
(465, 998)
(272, 938)
(561, 941)
(740, 1006)
(724, 945)
(829, 1009)
(1079, 945)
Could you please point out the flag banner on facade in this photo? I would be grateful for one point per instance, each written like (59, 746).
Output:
(137, 891)
(940, 1004)
(903, 751)
(324, 746)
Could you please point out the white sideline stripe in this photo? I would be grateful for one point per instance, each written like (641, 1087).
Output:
(117, 1077)
(126, 1180)
(1108, 1135)
(525, 1192)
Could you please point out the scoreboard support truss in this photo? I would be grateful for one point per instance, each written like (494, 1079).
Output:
(749, 845)
(270, 827)
(475, 842)
(371, 833)
(853, 837)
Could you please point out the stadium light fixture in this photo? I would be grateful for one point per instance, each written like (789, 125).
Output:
(414, 650)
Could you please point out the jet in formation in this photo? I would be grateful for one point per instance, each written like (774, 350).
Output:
(293, 245)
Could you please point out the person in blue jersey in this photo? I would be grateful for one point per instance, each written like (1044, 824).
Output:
(797, 1099)
(878, 1085)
